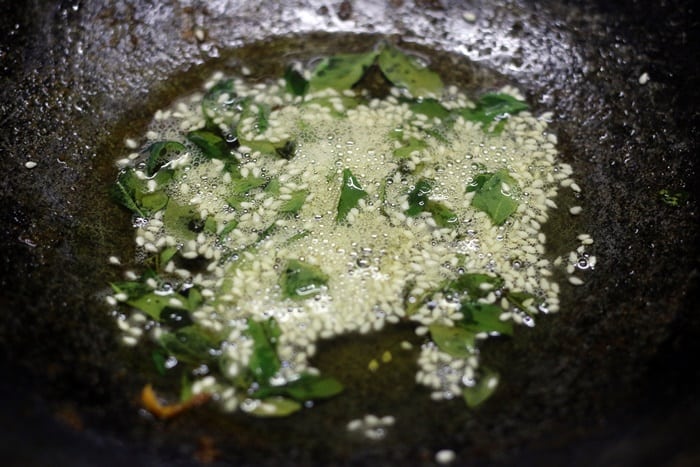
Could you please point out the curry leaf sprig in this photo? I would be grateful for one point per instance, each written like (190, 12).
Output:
(479, 318)
(495, 194)
(192, 346)
(285, 399)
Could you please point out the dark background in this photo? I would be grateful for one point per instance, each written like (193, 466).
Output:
(611, 380)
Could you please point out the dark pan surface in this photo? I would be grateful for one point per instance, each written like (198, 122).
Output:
(612, 380)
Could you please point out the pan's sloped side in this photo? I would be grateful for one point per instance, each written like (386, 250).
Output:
(603, 377)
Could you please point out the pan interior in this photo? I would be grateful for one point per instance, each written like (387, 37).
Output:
(391, 391)
(615, 360)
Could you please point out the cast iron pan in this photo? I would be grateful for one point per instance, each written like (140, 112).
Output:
(611, 380)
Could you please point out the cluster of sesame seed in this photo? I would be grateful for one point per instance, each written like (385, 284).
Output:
(444, 374)
(378, 256)
(371, 426)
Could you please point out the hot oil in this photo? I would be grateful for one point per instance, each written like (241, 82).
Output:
(386, 389)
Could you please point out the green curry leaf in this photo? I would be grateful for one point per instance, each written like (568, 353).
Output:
(306, 387)
(475, 285)
(443, 216)
(350, 195)
(418, 197)
(275, 407)
(419, 201)
(194, 299)
(454, 340)
(484, 317)
(484, 388)
(340, 71)
(190, 344)
(410, 147)
(155, 201)
(405, 71)
(132, 289)
(152, 304)
(175, 318)
(228, 228)
(185, 388)
(161, 153)
(180, 219)
(158, 357)
(240, 187)
(295, 83)
(301, 280)
(494, 195)
(212, 145)
(166, 255)
(126, 189)
(523, 301)
(493, 106)
(294, 204)
(264, 362)
(430, 108)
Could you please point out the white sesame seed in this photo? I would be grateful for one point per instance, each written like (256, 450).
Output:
(469, 17)
(354, 425)
(575, 280)
(445, 456)
(129, 341)
(121, 297)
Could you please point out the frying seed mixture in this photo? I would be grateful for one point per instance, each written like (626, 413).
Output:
(270, 216)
